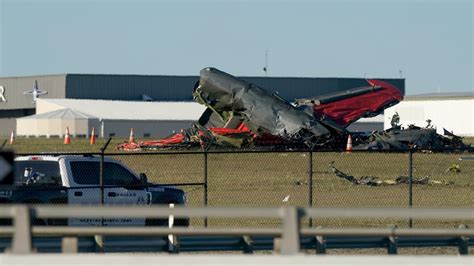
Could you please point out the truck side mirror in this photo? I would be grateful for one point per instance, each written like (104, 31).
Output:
(143, 178)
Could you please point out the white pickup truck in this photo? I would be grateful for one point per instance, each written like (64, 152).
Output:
(70, 179)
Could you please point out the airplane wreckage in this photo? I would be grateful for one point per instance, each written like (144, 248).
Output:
(244, 116)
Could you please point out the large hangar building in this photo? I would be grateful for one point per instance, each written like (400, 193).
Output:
(15, 104)
(452, 111)
(109, 118)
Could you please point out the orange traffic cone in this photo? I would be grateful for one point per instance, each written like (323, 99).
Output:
(12, 137)
(67, 137)
(132, 136)
(349, 144)
(93, 136)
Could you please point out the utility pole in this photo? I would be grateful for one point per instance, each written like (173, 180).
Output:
(265, 68)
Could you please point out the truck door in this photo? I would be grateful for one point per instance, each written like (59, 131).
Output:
(122, 187)
(84, 188)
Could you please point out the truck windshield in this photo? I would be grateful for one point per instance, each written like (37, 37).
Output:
(88, 173)
(37, 172)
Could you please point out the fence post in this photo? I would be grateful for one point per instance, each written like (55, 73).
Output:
(101, 167)
(463, 247)
(205, 183)
(310, 184)
(21, 242)
(290, 241)
(410, 185)
(98, 238)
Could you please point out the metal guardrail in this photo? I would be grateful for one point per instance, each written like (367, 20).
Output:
(287, 238)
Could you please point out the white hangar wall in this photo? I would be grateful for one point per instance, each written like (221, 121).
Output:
(110, 118)
(54, 124)
(141, 129)
(456, 115)
(56, 127)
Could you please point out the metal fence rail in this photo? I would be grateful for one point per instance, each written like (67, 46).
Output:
(287, 238)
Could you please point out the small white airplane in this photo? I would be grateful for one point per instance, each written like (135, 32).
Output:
(36, 92)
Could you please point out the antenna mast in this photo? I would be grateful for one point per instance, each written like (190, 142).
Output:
(265, 68)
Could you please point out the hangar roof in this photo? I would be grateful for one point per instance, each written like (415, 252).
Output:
(60, 114)
(126, 110)
(441, 96)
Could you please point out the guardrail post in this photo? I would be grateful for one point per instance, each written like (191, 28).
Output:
(392, 241)
(310, 184)
(69, 244)
(205, 183)
(21, 243)
(99, 243)
(320, 243)
(247, 244)
(463, 247)
(290, 243)
(172, 239)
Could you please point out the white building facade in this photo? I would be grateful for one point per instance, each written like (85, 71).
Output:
(454, 112)
(109, 118)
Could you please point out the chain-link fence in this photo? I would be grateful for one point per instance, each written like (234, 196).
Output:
(256, 178)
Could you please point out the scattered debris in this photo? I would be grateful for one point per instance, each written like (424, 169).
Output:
(300, 183)
(373, 181)
(454, 168)
(421, 181)
(412, 137)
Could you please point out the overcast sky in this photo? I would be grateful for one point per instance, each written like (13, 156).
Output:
(430, 43)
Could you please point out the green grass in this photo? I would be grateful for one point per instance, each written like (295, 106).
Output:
(264, 179)
(39, 145)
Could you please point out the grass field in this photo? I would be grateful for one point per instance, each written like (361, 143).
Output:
(35, 145)
(265, 179)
